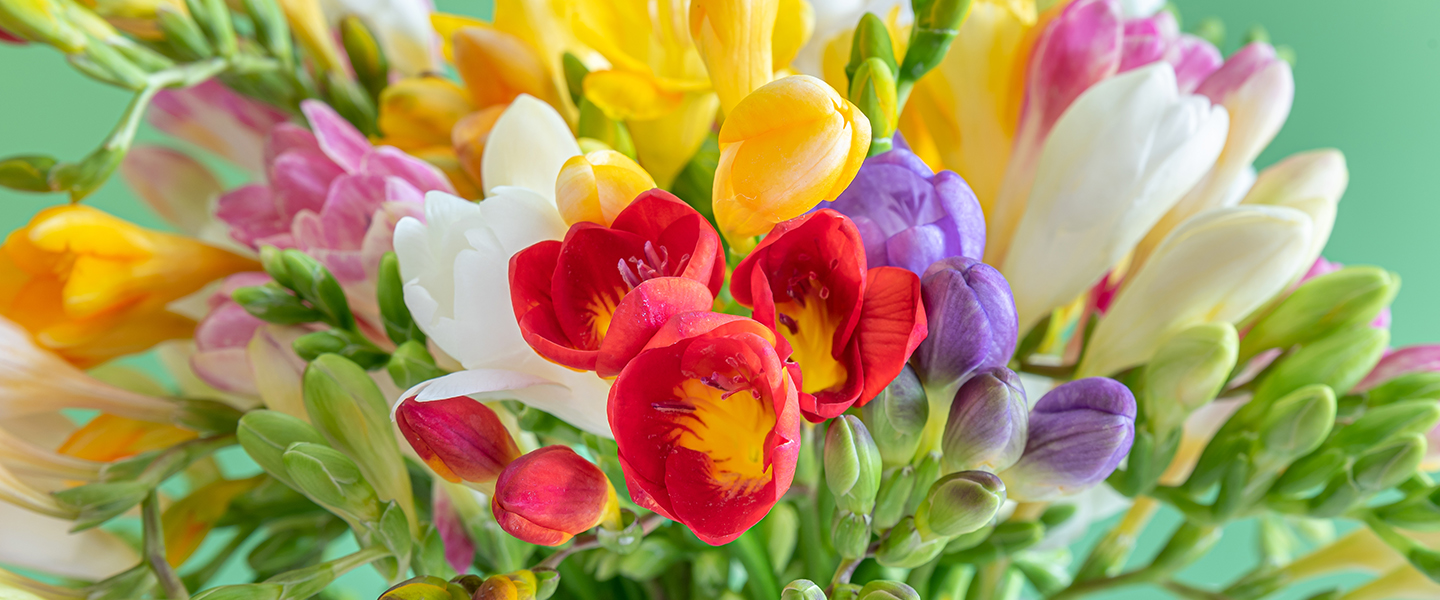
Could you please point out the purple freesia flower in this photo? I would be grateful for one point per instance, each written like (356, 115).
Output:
(331, 194)
(910, 216)
(1078, 434)
(971, 316)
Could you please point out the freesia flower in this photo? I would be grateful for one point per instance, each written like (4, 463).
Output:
(1219, 266)
(1194, 59)
(597, 186)
(707, 423)
(1312, 182)
(331, 194)
(734, 39)
(459, 438)
(45, 544)
(910, 216)
(1256, 88)
(798, 122)
(34, 380)
(217, 119)
(401, 26)
(534, 142)
(988, 421)
(548, 496)
(1078, 434)
(851, 328)
(91, 287)
(659, 258)
(1119, 158)
(180, 189)
(971, 316)
(223, 336)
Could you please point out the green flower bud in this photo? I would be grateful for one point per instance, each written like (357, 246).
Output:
(852, 464)
(960, 503)
(845, 591)
(349, 410)
(782, 532)
(271, 28)
(888, 590)
(850, 534)
(870, 40)
(596, 125)
(652, 558)
(332, 480)
(802, 589)
(183, 34)
(1309, 472)
(927, 472)
(1350, 297)
(1386, 422)
(274, 304)
(213, 17)
(1411, 386)
(575, 72)
(905, 547)
(1298, 423)
(366, 56)
(400, 327)
(896, 417)
(314, 284)
(1385, 467)
(1421, 513)
(1339, 360)
(352, 345)
(936, 24)
(272, 259)
(266, 434)
(872, 90)
(1187, 372)
(353, 103)
(1337, 497)
(27, 173)
(1048, 572)
(890, 502)
(412, 364)
(546, 582)
(425, 587)
(1189, 542)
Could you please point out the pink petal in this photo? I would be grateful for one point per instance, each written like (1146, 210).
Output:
(1195, 59)
(340, 140)
(286, 137)
(459, 550)
(176, 186)
(392, 162)
(301, 180)
(1413, 359)
(217, 119)
(251, 213)
(1080, 48)
(1237, 70)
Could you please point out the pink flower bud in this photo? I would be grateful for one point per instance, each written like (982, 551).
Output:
(460, 438)
(548, 496)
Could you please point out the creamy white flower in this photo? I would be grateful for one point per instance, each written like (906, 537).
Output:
(45, 544)
(456, 271)
(1312, 182)
(1116, 161)
(527, 147)
(1218, 266)
(34, 380)
(401, 26)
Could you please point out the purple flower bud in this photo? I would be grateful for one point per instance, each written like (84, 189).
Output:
(1079, 433)
(971, 315)
(988, 423)
(909, 216)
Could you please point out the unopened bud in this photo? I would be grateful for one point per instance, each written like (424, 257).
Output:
(459, 438)
(802, 589)
(896, 417)
(332, 480)
(1386, 422)
(782, 533)
(888, 590)
(850, 534)
(1421, 513)
(960, 503)
(905, 547)
(548, 496)
(852, 464)
(314, 283)
(411, 364)
(1078, 434)
(872, 90)
(1187, 372)
(1309, 472)
(1298, 423)
(894, 495)
(426, 587)
(988, 423)
(937, 22)
(623, 536)
(845, 591)
(650, 559)
(1411, 386)
(274, 304)
(1350, 297)
(27, 173)
(1387, 466)
(1338, 360)
(266, 434)
(870, 40)
(366, 56)
(927, 472)
(390, 291)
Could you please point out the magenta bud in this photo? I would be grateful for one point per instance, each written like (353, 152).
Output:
(460, 438)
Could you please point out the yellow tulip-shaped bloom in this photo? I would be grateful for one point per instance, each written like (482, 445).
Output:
(787, 147)
(735, 39)
(496, 67)
(595, 187)
(91, 287)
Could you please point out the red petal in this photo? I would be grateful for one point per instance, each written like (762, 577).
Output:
(643, 312)
(658, 215)
(531, 271)
(715, 513)
(587, 285)
(892, 324)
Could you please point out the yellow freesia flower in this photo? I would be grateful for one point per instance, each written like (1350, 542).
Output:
(108, 438)
(595, 187)
(91, 287)
(734, 38)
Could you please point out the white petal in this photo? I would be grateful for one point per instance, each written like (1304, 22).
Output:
(1312, 182)
(527, 147)
(45, 544)
(578, 403)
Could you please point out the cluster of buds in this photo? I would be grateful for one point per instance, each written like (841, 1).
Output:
(527, 584)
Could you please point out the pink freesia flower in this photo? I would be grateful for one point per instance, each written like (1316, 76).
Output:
(222, 336)
(331, 194)
(1150, 39)
(1195, 60)
(217, 119)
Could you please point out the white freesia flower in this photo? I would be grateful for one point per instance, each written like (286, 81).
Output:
(1218, 266)
(527, 147)
(401, 26)
(457, 285)
(1312, 182)
(34, 380)
(1119, 157)
(45, 544)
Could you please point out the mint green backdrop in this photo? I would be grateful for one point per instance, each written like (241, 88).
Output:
(1367, 80)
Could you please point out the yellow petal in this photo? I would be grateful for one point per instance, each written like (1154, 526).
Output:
(496, 67)
(617, 29)
(447, 25)
(665, 145)
(597, 186)
(108, 438)
(419, 112)
(734, 39)
(188, 521)
(794, 24)
(468, 139)
(625, 95)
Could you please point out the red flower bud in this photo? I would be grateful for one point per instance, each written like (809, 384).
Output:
(460, 438)
(550, 495)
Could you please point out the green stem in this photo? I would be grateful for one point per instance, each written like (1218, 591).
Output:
(750, 549)
(1191, 592)
(155, 550)
(201, 576)
(39, 588)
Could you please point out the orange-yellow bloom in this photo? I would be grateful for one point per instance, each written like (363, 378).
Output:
(787, 147)
(108, 438)
(595, 187)
(188, 521)
(91, 287)
(417, 113)
(735, 40)
(496, 67)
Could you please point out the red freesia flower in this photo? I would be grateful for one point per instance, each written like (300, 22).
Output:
(548, 496)
(460, 438)
(707, 424)
(659, 258)
(850, 328)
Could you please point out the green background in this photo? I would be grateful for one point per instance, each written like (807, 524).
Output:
(1367, 78)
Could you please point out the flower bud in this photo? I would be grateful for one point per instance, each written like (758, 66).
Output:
(1328, 303)
(595, 187)
(366, 56)
(960, 503)
(734, 38)
(988, 423)
(550, 495)
(274, 304)
(1338, 360)
(1411, 386)
(42, 21)
(1387, 466)
(411, 364)
(460, 438)
(896, 417)
(850, 534)
(895, 491)
(927, 472)
(852, 464)
(937, 22)
(314, 284)
(1305, 474)
(1187, 372)
(520, 585)
(872, 89)
(1386, 422)
(1416, 514)
(1194, 59)
(625, 537)
(332, 480)
(781, 530)
(426, 587)
(800, 122)
(905, 547)
(871, 39)
(802, 589)
(845, 591)
(888, 590)
(1079, 433)
(971, 316)
(1412, 359)
(266, 434)
(1298, 423)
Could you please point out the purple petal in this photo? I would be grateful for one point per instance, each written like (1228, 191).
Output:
(340, 140)
(971, 317)
(916, 248)
(965, 223)
(1079, 433)
(392, 162)
(988, 423)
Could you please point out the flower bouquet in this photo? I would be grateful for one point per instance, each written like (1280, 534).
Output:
(694, 299)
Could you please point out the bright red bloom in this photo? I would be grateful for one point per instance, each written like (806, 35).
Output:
(566, 294)
(850, 328)
(550, 495)
(707, 422)
(459, 438)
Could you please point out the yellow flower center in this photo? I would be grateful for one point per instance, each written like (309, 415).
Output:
(730, 428)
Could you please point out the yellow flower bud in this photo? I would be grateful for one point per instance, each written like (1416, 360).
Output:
(308, 22)
(787, 147)
(595, 187)
(42, 21)
(496, 67)
(734, 39)
(91, 287)
(420, 112)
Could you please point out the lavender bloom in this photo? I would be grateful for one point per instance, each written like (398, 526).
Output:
(1079, 433)
(909, 216)
(971, 315)
(987, 424)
